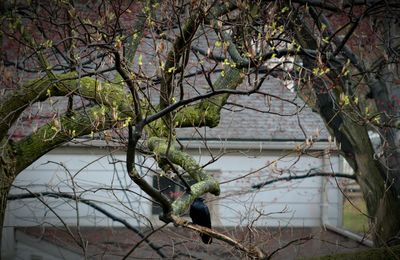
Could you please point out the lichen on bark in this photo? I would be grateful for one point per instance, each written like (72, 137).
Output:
(204, 181)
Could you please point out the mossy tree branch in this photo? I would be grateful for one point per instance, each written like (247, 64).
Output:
(103, 93)
(205, 183)
(207, 111)
(59, 131)
(109, 96)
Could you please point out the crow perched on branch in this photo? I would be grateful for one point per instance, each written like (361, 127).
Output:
(201, 216)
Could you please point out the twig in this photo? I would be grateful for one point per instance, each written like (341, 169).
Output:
(307, 175)
(305, 239)
(253, 252)
(144, 239)
(90, 204)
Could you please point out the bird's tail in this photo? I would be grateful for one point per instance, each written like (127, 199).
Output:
(206, 239)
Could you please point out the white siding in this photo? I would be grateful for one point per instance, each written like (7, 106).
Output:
(92, 171)
(294, 203)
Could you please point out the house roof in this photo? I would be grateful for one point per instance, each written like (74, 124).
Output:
(247, 118)
(258, 117)
(244, 118)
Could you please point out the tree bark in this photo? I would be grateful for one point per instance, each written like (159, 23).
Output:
(7, 176)
(3, 201)
(378, 179)
(382, 202)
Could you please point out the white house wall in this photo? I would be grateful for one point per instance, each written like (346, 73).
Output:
(92, 171)
(295, 203)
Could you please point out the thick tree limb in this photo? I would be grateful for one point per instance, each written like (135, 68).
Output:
(133, 40)
(14, 103)
(205, 183)
(134, 175)
(59, 131)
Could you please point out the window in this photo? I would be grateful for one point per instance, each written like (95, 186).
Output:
(171, 188)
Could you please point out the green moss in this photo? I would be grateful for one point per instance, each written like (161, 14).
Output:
(204, 182)
(207, 112)
(202, 114)
(111, 95)
(57, 132)
(158, 128)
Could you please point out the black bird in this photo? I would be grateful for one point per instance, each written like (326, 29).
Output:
(201, 216)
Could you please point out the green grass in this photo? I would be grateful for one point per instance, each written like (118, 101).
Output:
(353, 219)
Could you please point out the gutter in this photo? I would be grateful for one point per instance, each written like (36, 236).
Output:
(261, 145)
(257, 145)
(349, 234)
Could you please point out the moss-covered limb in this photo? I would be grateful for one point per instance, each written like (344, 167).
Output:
(230, 80)
(13, 103)
(181, 44)
(219, 10)
(370, 254)
(108, 94)
(233, 51)
(203, 114)
(7, 164)
(205, 182)
(134, 134)
(207, 112)
(180, 205)
(160, 147)
(112, 95)
(59, 131)
(133, 40)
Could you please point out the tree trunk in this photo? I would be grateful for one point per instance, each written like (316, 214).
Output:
(7, 177)
(5, 185)
(381, 196)
(383, 208)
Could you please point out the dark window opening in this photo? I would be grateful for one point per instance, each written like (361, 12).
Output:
(171, 188)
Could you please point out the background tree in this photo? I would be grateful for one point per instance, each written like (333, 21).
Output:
(85, 58)
(350, 76)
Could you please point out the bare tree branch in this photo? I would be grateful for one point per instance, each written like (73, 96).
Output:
(309, 174)
(253, 251)
(91, 204)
